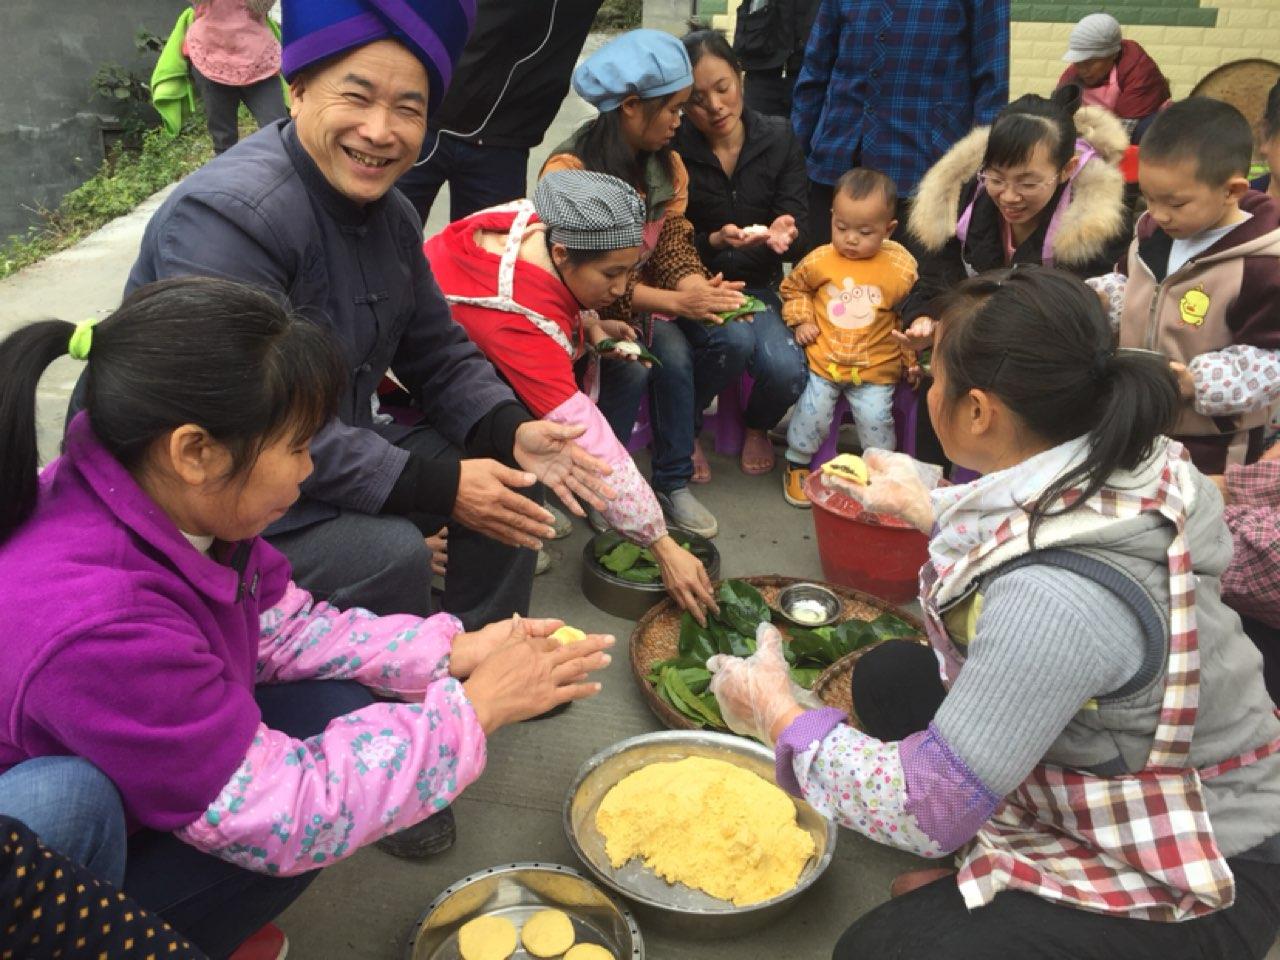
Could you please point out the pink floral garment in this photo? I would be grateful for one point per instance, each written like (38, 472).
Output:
(294, 805)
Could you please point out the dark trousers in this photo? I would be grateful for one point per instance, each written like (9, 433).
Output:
(896, 692)
(381, 563)
(265, 100)
(769, 92)
(216, 904)
(478, 176)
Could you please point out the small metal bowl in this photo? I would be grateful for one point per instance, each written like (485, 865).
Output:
(677, 909)
(809, 597)
(625, 599)
(517, 891)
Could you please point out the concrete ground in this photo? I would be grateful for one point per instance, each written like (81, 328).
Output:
(366, 907)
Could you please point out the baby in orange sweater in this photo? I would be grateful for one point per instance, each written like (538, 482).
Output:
(841, 301)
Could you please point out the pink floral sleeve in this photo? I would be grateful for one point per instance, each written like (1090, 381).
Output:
(399, 655)
(294, 805)
(1236, 379)
(634, 512)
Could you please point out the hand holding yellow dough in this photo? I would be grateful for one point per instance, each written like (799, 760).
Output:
(567, 635)
(588, 951)
(848, 467)
(487, 938)
(548, 933)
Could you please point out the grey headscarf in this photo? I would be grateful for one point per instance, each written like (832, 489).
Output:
(589, 211)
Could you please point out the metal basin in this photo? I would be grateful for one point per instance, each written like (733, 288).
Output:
(627, 600)
(678, 909)
(517, 891)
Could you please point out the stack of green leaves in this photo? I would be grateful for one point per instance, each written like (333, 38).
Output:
(630, 561)
(683, 680)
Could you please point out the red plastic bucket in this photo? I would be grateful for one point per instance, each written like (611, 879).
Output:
(881, 555)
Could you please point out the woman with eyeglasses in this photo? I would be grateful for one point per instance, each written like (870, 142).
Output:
(1041, 185)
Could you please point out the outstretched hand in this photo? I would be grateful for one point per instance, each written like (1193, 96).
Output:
(547, 451)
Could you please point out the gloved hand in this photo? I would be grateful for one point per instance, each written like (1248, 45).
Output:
(755, 691)
(898, 486)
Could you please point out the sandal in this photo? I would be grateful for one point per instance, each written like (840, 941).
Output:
(701, 468)
(757, 454)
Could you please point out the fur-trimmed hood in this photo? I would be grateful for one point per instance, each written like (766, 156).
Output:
(1094, 216)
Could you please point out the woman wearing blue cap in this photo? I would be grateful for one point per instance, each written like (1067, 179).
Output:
(640, 82)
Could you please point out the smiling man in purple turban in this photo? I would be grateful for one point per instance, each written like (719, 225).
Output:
(306, 209)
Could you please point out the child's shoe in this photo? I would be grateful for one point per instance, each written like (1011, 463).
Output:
(793, 478)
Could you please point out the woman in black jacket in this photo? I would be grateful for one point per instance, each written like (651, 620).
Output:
(748, 195)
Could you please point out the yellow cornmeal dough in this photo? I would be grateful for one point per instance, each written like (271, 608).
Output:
(487, 938)
(707, 824)
(589, 951)
(548, 933)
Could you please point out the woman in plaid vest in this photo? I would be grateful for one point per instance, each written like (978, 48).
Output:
(1098, 756)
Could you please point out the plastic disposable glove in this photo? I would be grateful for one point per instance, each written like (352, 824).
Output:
(753, 691)
(898, 486)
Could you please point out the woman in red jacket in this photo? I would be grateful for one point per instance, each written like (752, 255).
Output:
(1115, 73)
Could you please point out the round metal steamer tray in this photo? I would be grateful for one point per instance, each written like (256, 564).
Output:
(516, 892)
(627, 600)
(678, 909)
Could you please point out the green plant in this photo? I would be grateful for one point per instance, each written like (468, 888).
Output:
(618, 15)
(125, 179)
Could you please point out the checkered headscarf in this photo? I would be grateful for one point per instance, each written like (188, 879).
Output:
(589, 211)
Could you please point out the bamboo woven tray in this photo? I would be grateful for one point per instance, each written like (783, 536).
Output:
(657, 634)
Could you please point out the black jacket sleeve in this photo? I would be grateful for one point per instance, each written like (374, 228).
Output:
(939, 271)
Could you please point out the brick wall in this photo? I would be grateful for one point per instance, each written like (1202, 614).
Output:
(1239, 29)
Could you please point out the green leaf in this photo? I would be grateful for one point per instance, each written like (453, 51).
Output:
(742, 608)
(686, 700)
(813, 647)
(696, 641)
(852, 635)
(806, 676)
(604, 346)
(607, 542)
(889, 626)
(641, 574)
(622, 557)
(749, 305)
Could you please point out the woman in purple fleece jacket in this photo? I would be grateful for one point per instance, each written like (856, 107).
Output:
(146, 618)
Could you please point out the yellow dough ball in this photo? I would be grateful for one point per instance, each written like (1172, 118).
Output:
(487, 938)
(567, 635)
(588, 951)
(548, 933)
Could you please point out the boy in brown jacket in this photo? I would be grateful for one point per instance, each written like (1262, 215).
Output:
(1203, 282)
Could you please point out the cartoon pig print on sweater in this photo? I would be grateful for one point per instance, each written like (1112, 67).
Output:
(852, 306)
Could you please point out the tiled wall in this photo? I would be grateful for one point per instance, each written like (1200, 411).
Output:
(1188, 38)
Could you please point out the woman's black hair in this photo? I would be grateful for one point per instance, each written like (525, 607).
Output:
(1038, 339)
(701, 42)
(217, 354)
(1032, 120)
(1271, 115)
(602, 147)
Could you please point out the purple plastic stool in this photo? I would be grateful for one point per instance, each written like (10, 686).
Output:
(726, 422)
(905, 402)
(641, 431)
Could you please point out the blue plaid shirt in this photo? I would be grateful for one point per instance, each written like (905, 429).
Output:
(898, 82)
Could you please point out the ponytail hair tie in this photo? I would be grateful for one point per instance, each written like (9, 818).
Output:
(1101, 365)
(80, 342)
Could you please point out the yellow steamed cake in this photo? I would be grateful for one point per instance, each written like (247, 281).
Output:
(567, 635)
(588, 951)
(707, 824)
(548, 933)
(487, 938)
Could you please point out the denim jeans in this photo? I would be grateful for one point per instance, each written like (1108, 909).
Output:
(622, 386)
(698, 361)
(216, 904)
(777, 365)
(478, 177)
(72, 806)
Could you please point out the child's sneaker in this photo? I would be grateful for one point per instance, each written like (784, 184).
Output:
(793, 478)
